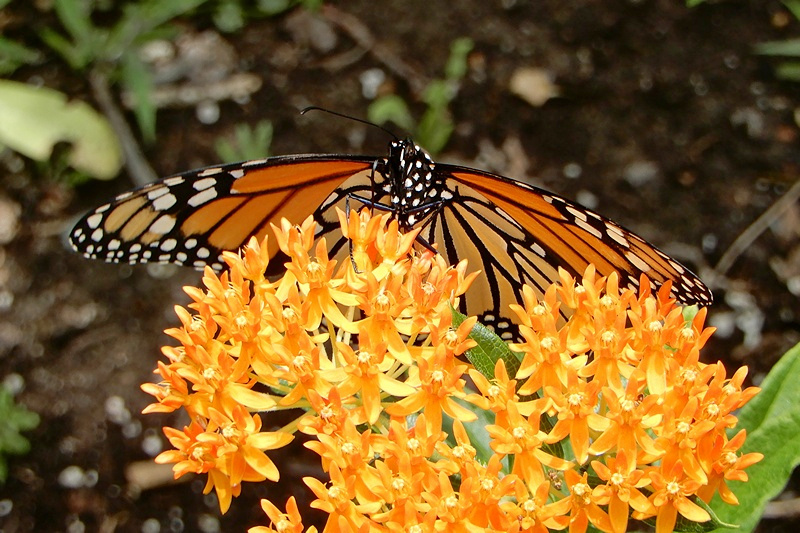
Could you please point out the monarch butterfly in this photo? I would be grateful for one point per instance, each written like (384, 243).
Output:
(516, 233)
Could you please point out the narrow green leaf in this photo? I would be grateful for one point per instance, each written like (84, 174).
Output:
(773, 428)
(490, 348)
(456, 67)
(74, 15)
(137, 79)
(788, 47)
(789, 70)
(71, 53)
(435, 129)
(141, 18)
(14, 54)
(794, 7)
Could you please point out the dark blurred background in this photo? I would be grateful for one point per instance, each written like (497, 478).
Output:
(676, 121)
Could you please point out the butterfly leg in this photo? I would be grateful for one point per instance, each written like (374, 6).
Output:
(435, 208)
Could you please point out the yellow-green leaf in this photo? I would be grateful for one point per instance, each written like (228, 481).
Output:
(34, 119)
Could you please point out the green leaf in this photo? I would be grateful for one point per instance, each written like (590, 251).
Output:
(390, 108)
(74, 15)
(14, 54)
(13, 419)
(789, 71)
(273, 7)
(490, 348)
(250, 143)
(435, 129)
(35, 119)
(788, 47)
(772, 422)
(794, 7)
(73, 55)
(456, 67)
(137, 79)
(139, 19)
(228, 16)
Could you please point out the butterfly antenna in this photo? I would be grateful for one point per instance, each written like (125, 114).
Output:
(342, 115)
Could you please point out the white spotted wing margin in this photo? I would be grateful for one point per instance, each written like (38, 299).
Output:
(191, 218)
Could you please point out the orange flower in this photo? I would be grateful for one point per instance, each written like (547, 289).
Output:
(621, 490)
(672, 488)
(437, 390)
(583, 504)
(288, 522)
(523, 439)
(365, 344)
(576, 415)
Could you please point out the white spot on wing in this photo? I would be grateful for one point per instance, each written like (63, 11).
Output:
(637, 261)
(94, 220)
(157, 192)
(163, 224)
(164, 202)
(203, 184)
(581, 223)
(577, 213)
(202, 197)
(210, 172)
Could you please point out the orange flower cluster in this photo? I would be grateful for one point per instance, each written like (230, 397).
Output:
(610, 414)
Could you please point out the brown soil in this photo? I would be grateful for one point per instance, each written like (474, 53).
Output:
(678, 130)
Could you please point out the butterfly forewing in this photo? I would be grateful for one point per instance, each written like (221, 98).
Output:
(191, 218)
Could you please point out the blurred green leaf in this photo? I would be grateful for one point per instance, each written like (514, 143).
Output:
(435, 129)
(13, 420)
(228, 16)
(273, 7)
(35, 119)
(75, 17)
(456, 67)
(140, 19)
(390, 108)
(250, 143)
(789, 48)
(794, 7)
(789, 70)
(773, 428)
(73, 55)
(692, 3)
(13, 55)
(137, 79)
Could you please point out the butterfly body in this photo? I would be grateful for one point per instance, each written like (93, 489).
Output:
(515, 233)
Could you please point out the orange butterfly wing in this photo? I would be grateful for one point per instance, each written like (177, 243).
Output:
(191, 218)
